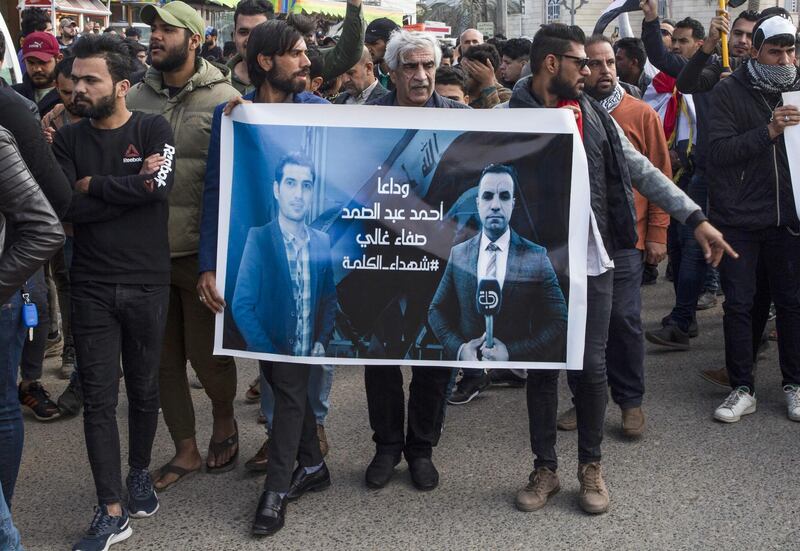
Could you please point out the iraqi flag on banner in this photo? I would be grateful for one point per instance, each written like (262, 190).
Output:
(613, 11)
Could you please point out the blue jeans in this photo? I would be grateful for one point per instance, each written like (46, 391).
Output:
(320, 381)
(30, 368)
(12, 433)
(9, 536)
(688, 263)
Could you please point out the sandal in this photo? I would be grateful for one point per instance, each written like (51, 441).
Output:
(253, 393)
(173, 469)
(217, 448)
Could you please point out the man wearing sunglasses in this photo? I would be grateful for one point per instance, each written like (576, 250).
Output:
(559, 70)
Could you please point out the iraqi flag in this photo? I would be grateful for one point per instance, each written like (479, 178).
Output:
(614, 10)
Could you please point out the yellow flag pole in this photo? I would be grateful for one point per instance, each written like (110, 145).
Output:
(726, 62)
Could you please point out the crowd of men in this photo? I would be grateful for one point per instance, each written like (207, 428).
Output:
(109, 194)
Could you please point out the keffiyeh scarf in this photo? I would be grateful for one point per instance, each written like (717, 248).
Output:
(773, 79)
(612, 101)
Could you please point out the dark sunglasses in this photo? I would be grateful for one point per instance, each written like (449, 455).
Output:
(582, 62)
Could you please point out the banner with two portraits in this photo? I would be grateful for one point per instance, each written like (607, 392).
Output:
(388, 235)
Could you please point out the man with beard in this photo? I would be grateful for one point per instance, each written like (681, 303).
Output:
(185, 88)
(751, 197)
(559, 68)
(359, 83)
(279, 68)
(40, 52)
(69, 30)
(121, 166)
(625, 347)
(335, 60)
(412, 59)
(65, 112)
(210, 51)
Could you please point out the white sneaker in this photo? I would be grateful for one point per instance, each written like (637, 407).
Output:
(739, 402)
(793, 401)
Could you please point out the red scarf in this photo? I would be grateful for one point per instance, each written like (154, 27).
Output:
(665, 84)
(579, 118)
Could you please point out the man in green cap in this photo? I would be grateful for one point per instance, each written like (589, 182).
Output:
(185, 89)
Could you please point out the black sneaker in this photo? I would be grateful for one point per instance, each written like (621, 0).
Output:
(37, 400)
(670, 336)
(467, 389)
(104, 531)
(71, 400)
(142, 498)
(506, 377)
(694, 329)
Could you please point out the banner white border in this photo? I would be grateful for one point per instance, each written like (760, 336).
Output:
(536, 121)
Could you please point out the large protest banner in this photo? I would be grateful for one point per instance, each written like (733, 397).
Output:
(792, 140)
(353, 235)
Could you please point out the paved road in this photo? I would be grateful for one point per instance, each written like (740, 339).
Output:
(690, 483)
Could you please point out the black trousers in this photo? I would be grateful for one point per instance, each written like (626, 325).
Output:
(386, 403)
(294, 426)
(108, 320)
(590, 384)
(774, 254)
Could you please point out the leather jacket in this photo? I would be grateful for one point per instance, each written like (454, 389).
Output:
(30, 232)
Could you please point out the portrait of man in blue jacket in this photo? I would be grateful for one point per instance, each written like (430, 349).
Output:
(532, 322)
(285, 300)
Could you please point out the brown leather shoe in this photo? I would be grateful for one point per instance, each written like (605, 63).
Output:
(593, 496)
(258, 463)
(568, 420)
(718, 377)
(323, 440)
(633, 422)
(543, 484)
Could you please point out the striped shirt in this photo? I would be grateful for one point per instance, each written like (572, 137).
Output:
(300, 271)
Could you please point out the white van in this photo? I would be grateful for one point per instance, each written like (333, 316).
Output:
(11, 70)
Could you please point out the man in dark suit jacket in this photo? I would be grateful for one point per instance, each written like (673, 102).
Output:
(360, 84)
(285, 303)
(532, 322)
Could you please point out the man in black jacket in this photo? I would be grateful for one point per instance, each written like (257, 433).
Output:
(560, 66)
(29, 234)
(41, 53)
(121, 166)
(412, 59)
(699, 76)
(16, 116)
(751, 198)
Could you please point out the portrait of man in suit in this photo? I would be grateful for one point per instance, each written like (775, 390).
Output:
(532, 322)
(284, 301)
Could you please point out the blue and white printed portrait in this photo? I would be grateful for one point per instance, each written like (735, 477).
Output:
(371, 238)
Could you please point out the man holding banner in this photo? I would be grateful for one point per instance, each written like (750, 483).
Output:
(559, 68)
(412, 58)
(751, 197)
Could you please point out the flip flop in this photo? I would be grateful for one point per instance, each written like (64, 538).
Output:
(217, 448)
(173, 469)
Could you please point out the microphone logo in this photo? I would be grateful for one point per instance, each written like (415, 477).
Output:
(488, 299)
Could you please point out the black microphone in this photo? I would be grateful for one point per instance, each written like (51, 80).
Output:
(488, 300)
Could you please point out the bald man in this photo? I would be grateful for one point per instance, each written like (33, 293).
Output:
(359, 83)
(469, 38)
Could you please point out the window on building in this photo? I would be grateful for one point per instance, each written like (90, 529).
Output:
(553, 10)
